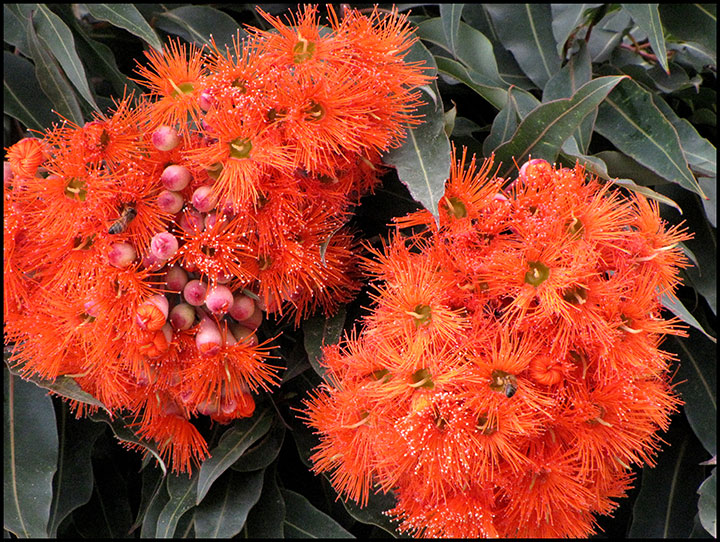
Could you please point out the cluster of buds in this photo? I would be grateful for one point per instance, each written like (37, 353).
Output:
(143, 249)
(509, 374)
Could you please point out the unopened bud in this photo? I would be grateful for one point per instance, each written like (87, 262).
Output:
(170, 202)
(203, 199)
(255, 319)
(122, 255)
(165, 138)
(208, 339)
(176, 177)
(191, 221)
(164, 245)
(182, 316)
(244, 334)
(219, 299)
(152, 314)
(242, 307)
(176, 278)
(195, 292)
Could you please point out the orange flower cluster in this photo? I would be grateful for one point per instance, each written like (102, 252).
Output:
(509, 374)
(142, 249)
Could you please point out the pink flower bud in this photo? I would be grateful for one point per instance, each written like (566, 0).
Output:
(150, 261)
(122, 255)
(176, 278)
(222, 278)
(195, 292)
(176, 177)
(182, 316)
(164, 245)
(92, 308)
(7, 173)
(191, 221)
(208, 339)
(255, 319)
(242, 307)
(205, 101)
(165, 138)
(530, 167)
(244, 334)
(219, 299)
(212, 218)
(203, 199)
(170, 202)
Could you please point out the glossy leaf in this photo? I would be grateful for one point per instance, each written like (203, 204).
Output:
(303, 520)
(224, 510)
(52, 80)
(566, 18)
(153, 490)
(526, 31)
(266, 519)
(647, 17)
(30, 455)
(709, 186)
(485, 87)
(320, 331)
(450, 15)
(20, 97)
(73, 482)
(264, 451)
(238, 438)
(182, 490)
(707, 504)
(542, 132)
(374, 512)
(678, 309)
(58, 39)
(198, 24)
(14, 31)
(422, 160)
(630, 121)
(128, 17)
(692, 23)
(504, 125)
(152, 512)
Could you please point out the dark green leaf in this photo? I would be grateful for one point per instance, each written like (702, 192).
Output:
(566, 18)
(58, 39)
(73, 483)
(450, 15)
(526, 31)
(692, 23)
(373, 512)
(267, 517)
(423, 159)
(630, 121)
(238, 438)
(52, 80)
(128, 17)
(198, 24)
(303, 520)
(709, 186)
(607, 35)
(20, 97)
(264, 451)
(14, 31)
(504, 125)
(153, 490)
(319, 331)
(542, 132)
(450, 116)
(30, 455)
(482, 85)
(182, 491)
(224, 510)
(647, 17)
(707, 504)
(152, 512)
(678, 309)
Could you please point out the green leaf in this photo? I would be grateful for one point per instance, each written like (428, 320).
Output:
(73, 483)
(156, 505)
(675, 306)
(709, 186)
(422, 160)
(319, 331)
(197, 24)
(14, 27)
(450, 15)
(374, 512)
(647, 17)
(526, 31)
(629, 119)
(542, 132)
(20, 97)
(182, 498)
(692, 23)
(707, 504)
(503, 127)
(224, 510)
(267, 517)
(238, 438)
(566, 18)
(303, 520)
(128, 17)
(264, 451)
(52, 80)
(58, 39)
(450, 116)
(30, 455)
(482, 85)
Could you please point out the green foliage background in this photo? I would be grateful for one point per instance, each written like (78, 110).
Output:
(628, 90)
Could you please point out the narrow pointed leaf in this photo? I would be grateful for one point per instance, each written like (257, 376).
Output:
(319, 331)
(526, 31)
(450, 15)
(264, 451)
(198, 24)
(482, 85)
(707, 504)
(630, 121)
(128, 17)
(153, 490)
(675, 306)
(303, 520)
(30, 454)
(542, 132)
(152, 511)
(266, 519)
(692, 23)
(374, 512)
(20, 97)
(182, 498)
(224, 510)
(238, 438)
(565, 20)
(504, 125)
(647, 17)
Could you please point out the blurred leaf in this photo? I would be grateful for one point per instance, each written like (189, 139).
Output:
(423, 159)
(264, 451)
(182, 491)
(707, 504)
(267, 517)
(543, 131)
(303, 520)
(20, 97)
(566, 18)
(238, 438)
(526, 31)
(709, 186)
(73, 483)
(51, 79)
(630, 121)
(30, 455)
(224, 510)
(319, 331)
(693, 23)
(647, 17)
(58, 39)
(647, 192)
(450, 116)
(128, 17)
(197, 24)
(675, 306)
(450, 15)
(374, 512)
